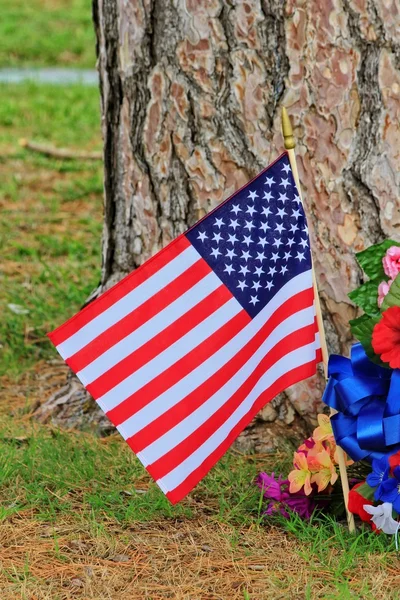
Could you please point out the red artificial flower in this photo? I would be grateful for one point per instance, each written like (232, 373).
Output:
(394, 461)
(356, 504)
(386, 337)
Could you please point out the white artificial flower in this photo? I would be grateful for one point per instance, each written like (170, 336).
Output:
(382, 517)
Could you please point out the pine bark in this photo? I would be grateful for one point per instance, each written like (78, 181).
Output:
(191, 92)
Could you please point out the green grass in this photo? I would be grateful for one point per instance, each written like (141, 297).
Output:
(50, 219)
(65, 116)
(46, 33)
(65, 472)
(77, 483)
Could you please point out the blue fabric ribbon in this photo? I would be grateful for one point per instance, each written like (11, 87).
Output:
(367, 398)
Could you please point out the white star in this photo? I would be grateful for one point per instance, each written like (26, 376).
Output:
(268, 196)
(297, 199)
(283, 197)
(269, 181)
(247, 240)
(256, 285)
(300, 256)
(296, 214)
(286, 168)
(284, 269)
(264, 227)
(235, 209)
(272, 271)
(275, 256)
(232, 238)
(230, 254)
(250, 210)
(277, 243)
(233, 223)
(260, 256)
(242, 285)
(285, 183)
(218, 223)
(279, 227)
(281, 212)
(246, 255)
(215, 252)
(303, 243)
(249, 225)
(254, 300)
(253, 195)
(263, 242)
(266, 211)
(269, 285)
(294, 228)
(290, 242)
(258, 271)
(305, 229)
(217, 237)
(287, 256)
(229, 269)
(202, 236)
(244, 270)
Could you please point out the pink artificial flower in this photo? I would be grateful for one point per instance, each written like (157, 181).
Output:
(391, 262)
(383, 289)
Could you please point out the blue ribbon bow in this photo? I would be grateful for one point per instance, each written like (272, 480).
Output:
(367, 398)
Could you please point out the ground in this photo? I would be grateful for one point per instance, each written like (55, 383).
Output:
(79, 516)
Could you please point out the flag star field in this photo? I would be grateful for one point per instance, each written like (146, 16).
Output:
(259, 240)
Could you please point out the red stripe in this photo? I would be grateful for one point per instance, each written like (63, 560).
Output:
(288, 379)
(160, 342)
(166, 463)
(139, 316)
(180, 369)
(190, 403)
(118, 291)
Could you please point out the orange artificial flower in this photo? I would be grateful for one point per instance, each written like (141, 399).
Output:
(326, 473)
(324, 431)
(301, 475)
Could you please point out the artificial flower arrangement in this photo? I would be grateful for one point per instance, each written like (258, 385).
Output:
(364, 390)
(311, 483)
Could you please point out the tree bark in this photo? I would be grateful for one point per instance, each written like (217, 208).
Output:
(191, 92)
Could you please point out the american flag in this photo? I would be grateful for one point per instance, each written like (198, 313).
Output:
(183, 352)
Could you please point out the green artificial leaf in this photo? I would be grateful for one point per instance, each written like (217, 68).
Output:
(366, 491)
(370, 260)
(392, 298)
(361, 329)
(366, 297)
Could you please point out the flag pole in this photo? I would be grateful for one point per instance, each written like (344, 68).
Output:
(290, 145)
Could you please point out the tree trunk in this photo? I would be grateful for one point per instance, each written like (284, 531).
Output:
(191, 94)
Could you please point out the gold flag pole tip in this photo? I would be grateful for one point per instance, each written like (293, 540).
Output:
(287, 130)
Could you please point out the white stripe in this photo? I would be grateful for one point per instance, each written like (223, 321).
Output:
(184, 428)
(317, 341)
(170, 356)
(128, 303)
(151, 328)
(189, 383)
(294, 359)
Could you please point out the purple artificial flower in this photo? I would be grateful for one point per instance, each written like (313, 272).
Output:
(301, 504)
(390, 490)
(273, 488)
(380, 472)
(280, 499)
